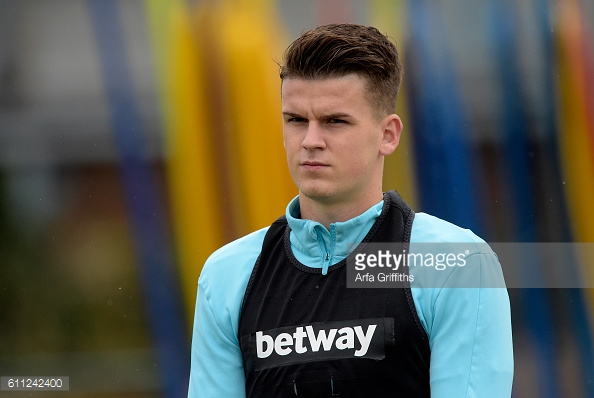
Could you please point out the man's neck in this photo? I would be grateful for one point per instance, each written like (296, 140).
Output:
(329, 212)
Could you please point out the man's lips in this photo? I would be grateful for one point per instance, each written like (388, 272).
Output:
(312, 165)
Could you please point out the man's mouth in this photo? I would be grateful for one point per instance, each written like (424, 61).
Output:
(313, 165)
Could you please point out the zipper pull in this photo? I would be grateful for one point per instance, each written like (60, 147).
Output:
(326, 264)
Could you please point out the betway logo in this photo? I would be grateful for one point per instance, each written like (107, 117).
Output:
(283, 342)
(361, 338)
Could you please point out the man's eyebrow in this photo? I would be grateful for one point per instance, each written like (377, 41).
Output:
(338, 115)
(291, 114)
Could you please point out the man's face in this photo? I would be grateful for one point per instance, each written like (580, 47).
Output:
(333, 138)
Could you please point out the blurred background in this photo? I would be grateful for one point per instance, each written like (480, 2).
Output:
(137, 136)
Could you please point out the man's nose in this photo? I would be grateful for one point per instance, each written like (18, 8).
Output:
(314, 137)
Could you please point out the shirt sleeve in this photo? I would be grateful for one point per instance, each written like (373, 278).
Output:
(216, 361)
(470, 333)
(217, 366)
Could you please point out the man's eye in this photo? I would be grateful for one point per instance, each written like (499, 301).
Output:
(296, 120)
(337, 121)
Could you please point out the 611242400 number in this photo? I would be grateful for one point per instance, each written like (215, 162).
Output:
(28, 383)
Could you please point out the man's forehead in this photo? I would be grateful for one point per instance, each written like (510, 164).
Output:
(348, 88)
(331, 80)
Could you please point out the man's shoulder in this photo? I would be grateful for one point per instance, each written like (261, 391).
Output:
(431, 229)
(234, 260)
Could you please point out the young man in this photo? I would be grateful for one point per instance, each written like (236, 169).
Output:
(274, 316)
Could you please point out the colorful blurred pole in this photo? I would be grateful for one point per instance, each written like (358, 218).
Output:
(389, 17)
(578, 310)
(444, 175)
(156, 270)
(162, 15)
(226, 167)
(587, 39)
(574, 49)
(556, 223)
(250, 42)
(574, 129)
(502, 34)
(192, 172)
(243, 43)
(575, 71)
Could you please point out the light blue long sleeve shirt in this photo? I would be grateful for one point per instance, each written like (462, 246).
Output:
(469, 328)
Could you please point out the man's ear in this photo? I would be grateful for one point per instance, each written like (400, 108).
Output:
(391, 138)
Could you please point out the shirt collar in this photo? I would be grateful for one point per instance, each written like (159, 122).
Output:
(312, 241)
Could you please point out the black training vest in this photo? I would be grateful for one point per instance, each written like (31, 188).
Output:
(304, 334)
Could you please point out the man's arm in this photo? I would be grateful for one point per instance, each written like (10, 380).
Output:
(217, 364)
(470, 333)
(466, 314)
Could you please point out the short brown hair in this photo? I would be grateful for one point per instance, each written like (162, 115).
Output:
(337, 50)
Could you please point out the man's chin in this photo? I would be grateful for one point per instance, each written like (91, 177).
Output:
(318, 194)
